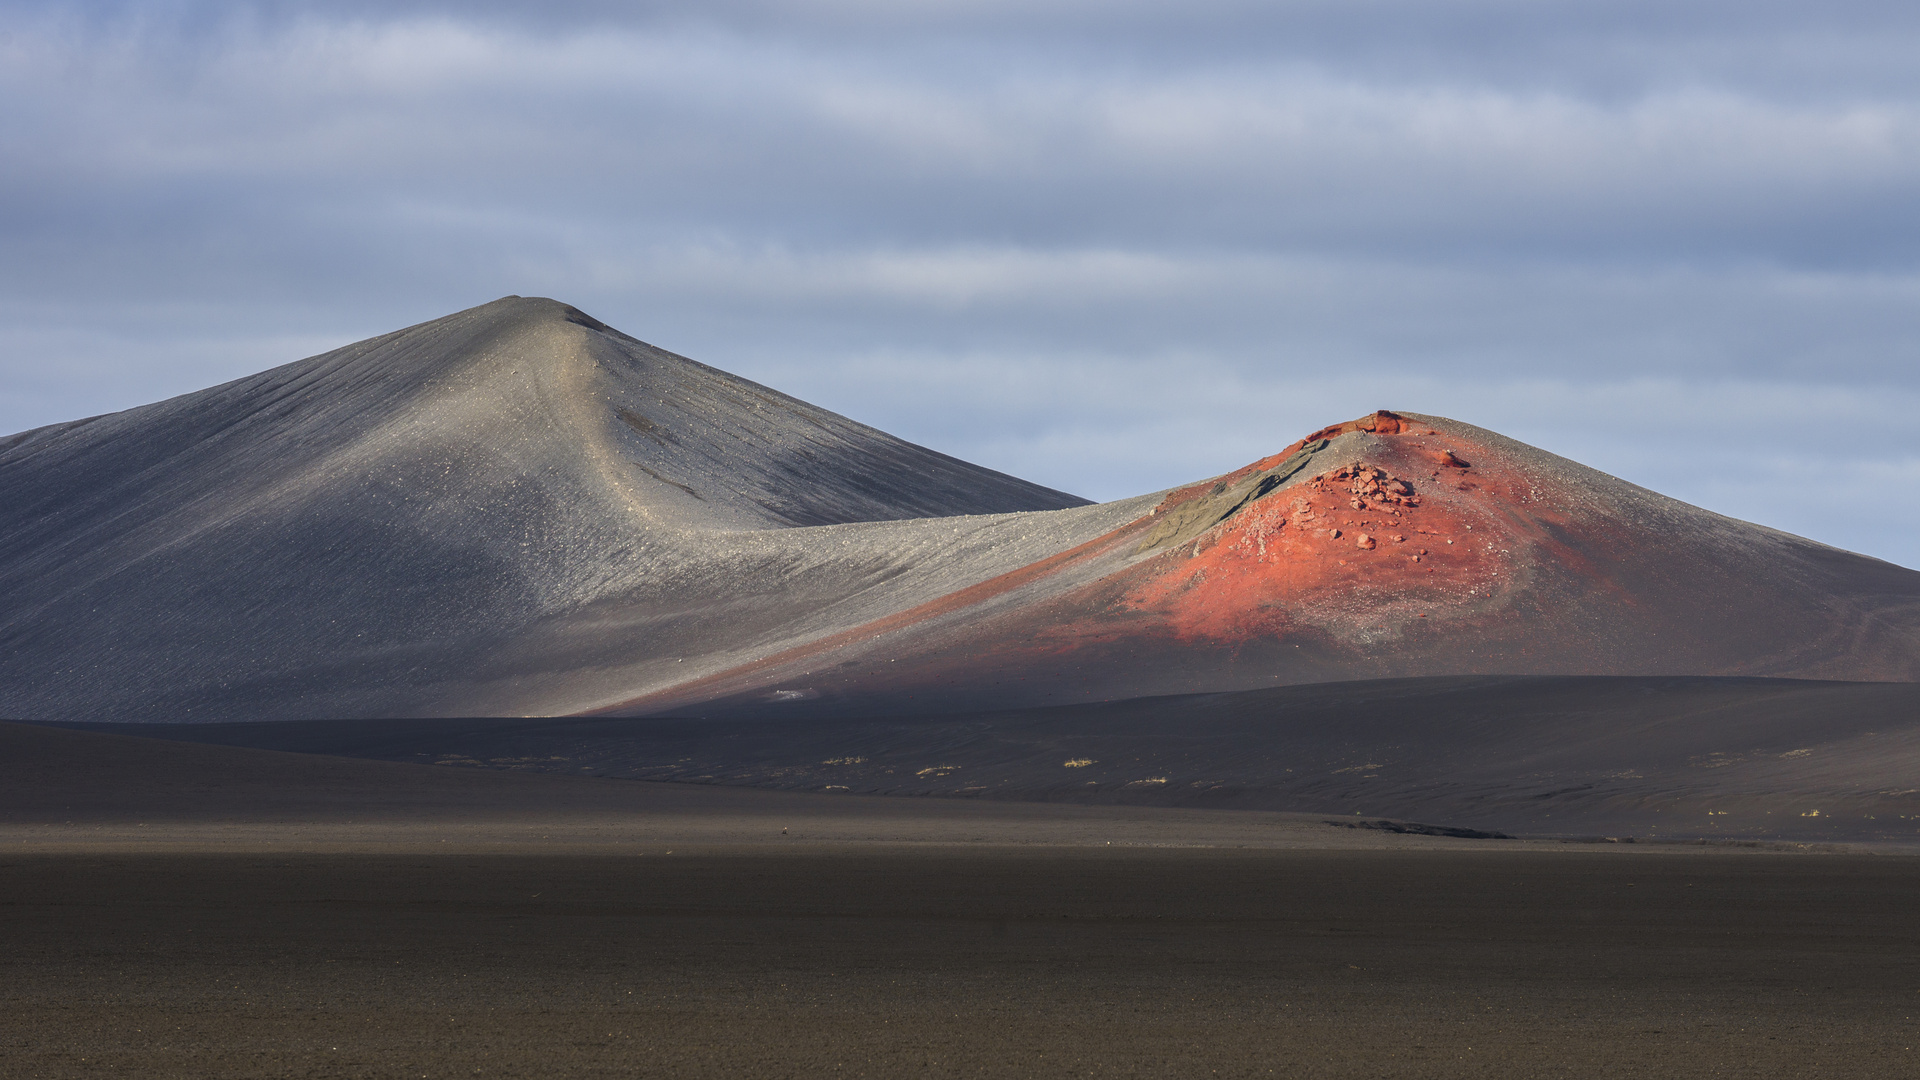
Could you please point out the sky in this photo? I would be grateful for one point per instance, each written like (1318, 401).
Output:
(1107, 245)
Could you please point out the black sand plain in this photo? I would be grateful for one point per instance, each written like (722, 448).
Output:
(185, 910)
(1567, 756)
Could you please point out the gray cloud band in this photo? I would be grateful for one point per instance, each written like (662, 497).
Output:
(1597, 213)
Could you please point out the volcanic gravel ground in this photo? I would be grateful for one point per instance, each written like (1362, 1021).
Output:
(938, 961)
(1723, 759)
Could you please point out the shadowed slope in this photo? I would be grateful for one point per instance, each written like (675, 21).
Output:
(1661, 757)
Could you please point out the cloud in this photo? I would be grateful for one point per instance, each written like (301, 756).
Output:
(701, 130)
(1110, 246)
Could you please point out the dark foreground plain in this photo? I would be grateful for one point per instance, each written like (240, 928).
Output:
(840, 960)
(1666, 757)
(385, 920)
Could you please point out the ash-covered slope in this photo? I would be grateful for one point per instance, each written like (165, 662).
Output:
(518, 511)
(387, 528)
(1392, 546)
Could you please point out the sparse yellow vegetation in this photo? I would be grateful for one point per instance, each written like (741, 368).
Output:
(845, 761)
(1078, 763)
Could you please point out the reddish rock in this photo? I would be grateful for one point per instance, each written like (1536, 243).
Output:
(1381, 423)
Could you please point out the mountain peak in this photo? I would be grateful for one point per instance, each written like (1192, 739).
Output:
(1391, 546)
(453, 481)
(517, 509)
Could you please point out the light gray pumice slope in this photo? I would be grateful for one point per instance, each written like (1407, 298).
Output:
(513, 509)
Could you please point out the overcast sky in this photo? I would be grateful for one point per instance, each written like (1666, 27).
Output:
(1103, 244)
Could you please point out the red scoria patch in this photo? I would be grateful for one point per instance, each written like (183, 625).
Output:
(1416, 532)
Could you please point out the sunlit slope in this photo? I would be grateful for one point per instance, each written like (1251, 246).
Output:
(391, 527)
(516, 510)
(1391, 546)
